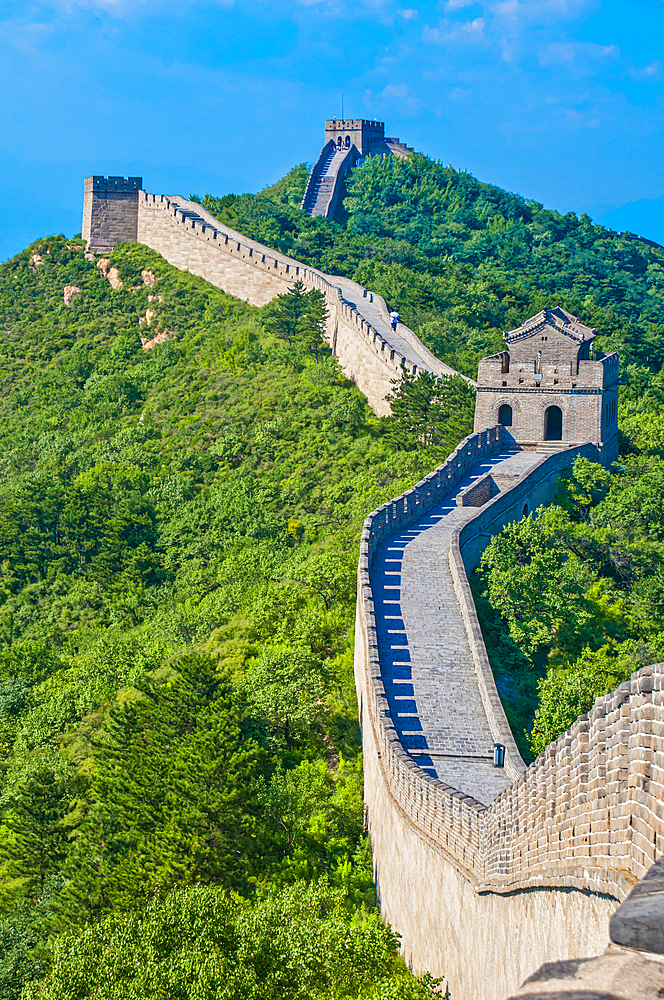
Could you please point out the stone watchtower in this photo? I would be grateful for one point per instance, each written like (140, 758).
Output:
(549, 389)
(110, 211)
(368, 137)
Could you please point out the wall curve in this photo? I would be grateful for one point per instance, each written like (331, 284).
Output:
(553, 854)
(358, 328)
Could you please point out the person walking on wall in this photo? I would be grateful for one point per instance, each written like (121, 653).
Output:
(394, 319)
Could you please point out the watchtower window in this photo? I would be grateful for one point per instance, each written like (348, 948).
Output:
(505, 415)
(553, 424)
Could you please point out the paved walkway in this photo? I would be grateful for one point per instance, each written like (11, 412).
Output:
(427, 668)
(372, 314)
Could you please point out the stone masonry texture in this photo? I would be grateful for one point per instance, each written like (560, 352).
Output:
(358, 327)
(110, 211)
(484, 876)
(548, 363)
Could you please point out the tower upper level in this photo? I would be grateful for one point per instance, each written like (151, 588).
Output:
(550, 385)
(552, 335)
(365, 135)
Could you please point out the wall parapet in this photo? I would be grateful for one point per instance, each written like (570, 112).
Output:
(201, 225)
(589, 812)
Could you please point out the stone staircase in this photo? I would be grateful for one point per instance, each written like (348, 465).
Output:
(398, 148)
(426, 663)
(552, 447)
(319, 193)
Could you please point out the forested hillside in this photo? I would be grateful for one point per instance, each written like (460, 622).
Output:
(462, 260)
(184, 480)
(180, 509)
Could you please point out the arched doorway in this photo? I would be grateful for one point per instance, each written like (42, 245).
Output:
(347, 142)
(505, 415)
(553, 424)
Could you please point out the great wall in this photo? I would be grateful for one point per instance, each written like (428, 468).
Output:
(487, 872)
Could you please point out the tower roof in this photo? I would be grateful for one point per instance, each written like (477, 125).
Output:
(556, 319)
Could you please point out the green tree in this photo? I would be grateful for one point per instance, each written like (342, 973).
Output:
(429, 412)
(567, 693)
(538, 588)
(312, 325)
(285, 685)
(285, 313)
(172, 800)
(36, 845)
(303, 943)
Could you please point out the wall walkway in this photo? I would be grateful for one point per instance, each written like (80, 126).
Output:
(487, 875)
(427, 668)
(358, 327)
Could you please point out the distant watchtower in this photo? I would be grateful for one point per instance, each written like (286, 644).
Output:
(549, 389)
(368, 137)
(347, 142)
(110, 211)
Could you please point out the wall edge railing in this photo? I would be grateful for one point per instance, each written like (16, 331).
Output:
(476, 839)
(288, 268)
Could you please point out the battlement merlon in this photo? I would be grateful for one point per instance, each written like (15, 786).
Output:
(113, 185)
(502, 370)
(553, 334)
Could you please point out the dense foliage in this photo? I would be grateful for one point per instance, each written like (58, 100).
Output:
(205, 944)
(184, 481)
(572, 597)
(462, 260)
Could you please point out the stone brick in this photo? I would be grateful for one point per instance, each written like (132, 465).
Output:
(549, 365)
(358, 326)
(506, 873)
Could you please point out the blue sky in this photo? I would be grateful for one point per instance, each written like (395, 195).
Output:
(560, 100)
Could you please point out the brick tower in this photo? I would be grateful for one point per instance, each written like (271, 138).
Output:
(110, 211)
(549, 389)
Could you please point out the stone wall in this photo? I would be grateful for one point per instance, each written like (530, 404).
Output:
(632, 966)
(250, 271)
(110, 211)
(486, 895)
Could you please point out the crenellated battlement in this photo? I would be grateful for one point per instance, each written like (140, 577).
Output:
(482, 885)
(190, 237)
(113, 185)
(565, 839)
(110, 211)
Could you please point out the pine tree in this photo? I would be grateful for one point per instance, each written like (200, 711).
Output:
(172, 801)
(429, 412)
(311, 328)
(38, 842)
(285, 313)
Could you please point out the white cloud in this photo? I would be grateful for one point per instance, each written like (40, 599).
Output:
(450, 5)
(395, 90)
(581, 58)
(454, 31)
(539, 11)
(460, 94)
(649, 72)
(409, 14)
